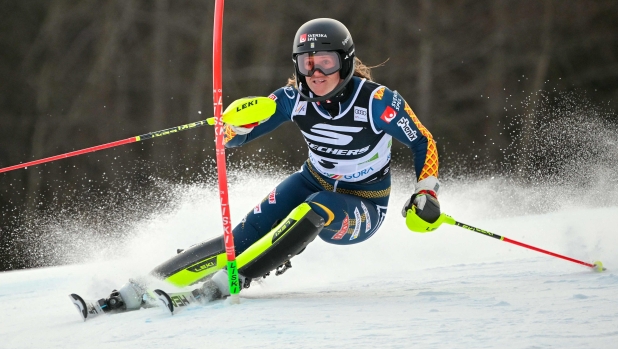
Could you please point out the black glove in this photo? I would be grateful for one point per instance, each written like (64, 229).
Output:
(427, 205)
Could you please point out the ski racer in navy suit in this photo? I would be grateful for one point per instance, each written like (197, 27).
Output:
(348, 122)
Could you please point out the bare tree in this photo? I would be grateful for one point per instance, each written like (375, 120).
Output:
(425, 65)
(540, 74)
(160, 82)
(496, 79)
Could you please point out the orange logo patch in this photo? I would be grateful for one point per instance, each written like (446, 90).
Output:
(378, 95)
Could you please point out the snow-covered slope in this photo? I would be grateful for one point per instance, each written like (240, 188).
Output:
(448, 289)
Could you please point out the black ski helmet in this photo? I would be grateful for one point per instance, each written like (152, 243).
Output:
(324, 34)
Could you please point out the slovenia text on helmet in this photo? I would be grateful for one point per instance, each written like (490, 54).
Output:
(324, 34)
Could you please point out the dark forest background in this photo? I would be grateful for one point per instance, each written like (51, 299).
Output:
(75, 74)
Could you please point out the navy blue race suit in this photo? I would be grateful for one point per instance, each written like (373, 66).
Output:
(346, 178)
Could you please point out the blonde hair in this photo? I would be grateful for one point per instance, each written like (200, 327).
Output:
(360, 70)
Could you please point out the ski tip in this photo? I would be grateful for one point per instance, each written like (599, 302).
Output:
(598, 266)
(80, 305)
(165, 300)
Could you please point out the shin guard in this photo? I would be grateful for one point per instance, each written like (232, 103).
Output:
(194, 264)
(283, 242)
(286, 240)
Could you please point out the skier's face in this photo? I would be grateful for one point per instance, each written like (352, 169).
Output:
(321, 70)
(322, 84)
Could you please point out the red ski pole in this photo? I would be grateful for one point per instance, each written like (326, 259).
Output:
(415, 223)
(597, 266)
(108, 145)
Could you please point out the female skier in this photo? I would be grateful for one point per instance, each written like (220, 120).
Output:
(341, 192)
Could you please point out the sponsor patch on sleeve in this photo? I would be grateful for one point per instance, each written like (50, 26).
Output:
(388, 115)
(272, 96)
(404, 125)
(396, 103)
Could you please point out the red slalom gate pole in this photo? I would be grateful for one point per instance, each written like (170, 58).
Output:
(217, 76)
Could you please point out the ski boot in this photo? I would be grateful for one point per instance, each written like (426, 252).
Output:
(218, 287)
(131, 296)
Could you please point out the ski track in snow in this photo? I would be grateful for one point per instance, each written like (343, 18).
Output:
(448, 289)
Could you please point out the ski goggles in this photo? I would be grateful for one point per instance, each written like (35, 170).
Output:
(327, 62)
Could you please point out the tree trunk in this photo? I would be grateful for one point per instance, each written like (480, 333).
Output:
(201, 92)
(425, 73)
(159, 76)
(493, 124)
(526, 148)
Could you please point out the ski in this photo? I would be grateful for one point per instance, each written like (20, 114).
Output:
(90, 308)
(173, 302)
(87, 309)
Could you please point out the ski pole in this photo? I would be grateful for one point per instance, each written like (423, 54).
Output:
(107, 145)
(243, 111)
(597, 266)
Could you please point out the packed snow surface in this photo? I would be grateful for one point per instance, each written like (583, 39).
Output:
(452, 288)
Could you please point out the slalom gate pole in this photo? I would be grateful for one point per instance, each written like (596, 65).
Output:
(108, 145)
(597, 266)
(217, 76)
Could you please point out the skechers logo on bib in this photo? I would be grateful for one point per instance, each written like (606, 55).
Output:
(329, 134)
(405, 126)
(333, 151)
